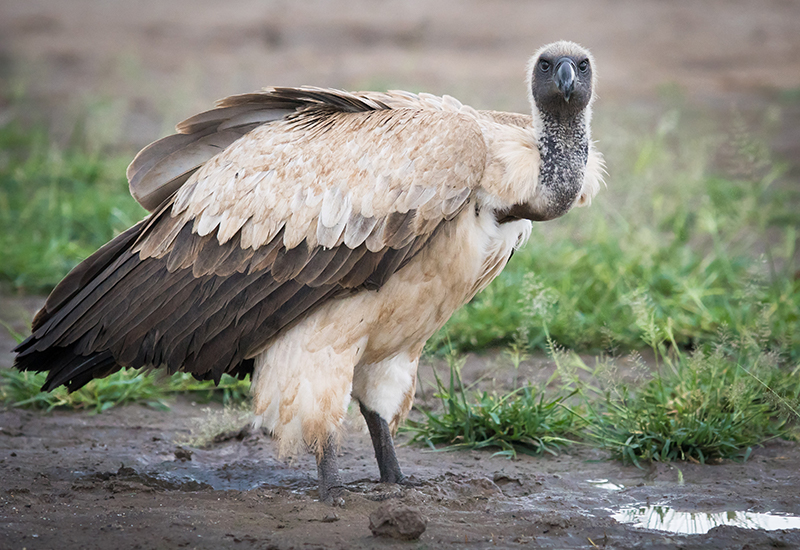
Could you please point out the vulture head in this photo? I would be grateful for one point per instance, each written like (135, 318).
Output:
(561, 81)
(561, 84)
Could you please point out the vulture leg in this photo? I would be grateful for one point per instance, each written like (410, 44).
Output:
(384, 446)
(330, 482)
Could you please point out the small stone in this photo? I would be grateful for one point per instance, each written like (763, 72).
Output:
(398, 522)
(183, 454)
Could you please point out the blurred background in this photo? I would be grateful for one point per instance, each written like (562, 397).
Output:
(138, 67)
(698, 115)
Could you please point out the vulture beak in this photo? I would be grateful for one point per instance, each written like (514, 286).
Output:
(565, 77)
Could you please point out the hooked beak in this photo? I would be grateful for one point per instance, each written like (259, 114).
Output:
(565, 77)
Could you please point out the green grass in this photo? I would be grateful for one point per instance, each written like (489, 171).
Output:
(22, 389)
(521, 421)
(56, 207)
(711, 404)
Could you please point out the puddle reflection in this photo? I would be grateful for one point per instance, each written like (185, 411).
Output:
(605, 484)
(665, 518)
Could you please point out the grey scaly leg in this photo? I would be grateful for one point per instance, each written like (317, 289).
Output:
(331, 487)
(384, 446)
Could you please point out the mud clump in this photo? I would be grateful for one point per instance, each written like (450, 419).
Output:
(184, 455)
(397, 522)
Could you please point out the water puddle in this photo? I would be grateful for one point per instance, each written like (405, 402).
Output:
(241, 477)
(605, 484)
(665, 518)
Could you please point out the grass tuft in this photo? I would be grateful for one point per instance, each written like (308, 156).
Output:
(706, 407)
(521, 421)
(218, 425)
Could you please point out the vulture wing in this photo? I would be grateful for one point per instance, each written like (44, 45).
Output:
(328, 193)
(163, 166)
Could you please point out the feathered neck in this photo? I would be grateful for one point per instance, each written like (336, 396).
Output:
(564, 149)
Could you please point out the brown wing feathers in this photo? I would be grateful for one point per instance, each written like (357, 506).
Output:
(138, 312)
(84, 273)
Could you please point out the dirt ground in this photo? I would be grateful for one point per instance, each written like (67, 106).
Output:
(121, 479)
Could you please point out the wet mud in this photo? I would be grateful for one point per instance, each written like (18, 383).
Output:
(121, 479)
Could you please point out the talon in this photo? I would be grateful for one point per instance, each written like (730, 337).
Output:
(333, 496)
(410, 482)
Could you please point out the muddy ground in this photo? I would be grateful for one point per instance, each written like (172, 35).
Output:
(123, 479)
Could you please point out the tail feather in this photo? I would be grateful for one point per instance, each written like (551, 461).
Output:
(68, 368)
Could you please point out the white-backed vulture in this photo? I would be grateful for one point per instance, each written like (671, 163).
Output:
(315, 239)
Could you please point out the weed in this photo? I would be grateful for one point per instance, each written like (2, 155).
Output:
(706, 407)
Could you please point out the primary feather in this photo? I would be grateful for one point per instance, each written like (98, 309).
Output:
(316, 239)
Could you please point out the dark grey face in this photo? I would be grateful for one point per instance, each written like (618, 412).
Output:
(562, 85)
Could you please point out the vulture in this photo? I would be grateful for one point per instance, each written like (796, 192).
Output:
(315, 239)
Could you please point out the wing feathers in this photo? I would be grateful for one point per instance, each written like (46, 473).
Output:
(223, 118)
(319, 174)
(77, 371)
(264, 256)
(82, 274)
(254, 118)
(339, 267)
(292, 197)
(69, 313)
(398, 229)
(185, 249)
(289, 263)
(156, 151)
(453, 205)
(165, 165)
(358, 229)
(153, 182)
(319, 261)
(210, 256)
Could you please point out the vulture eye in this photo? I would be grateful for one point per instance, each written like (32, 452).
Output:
(544, 65)
(583, 65)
